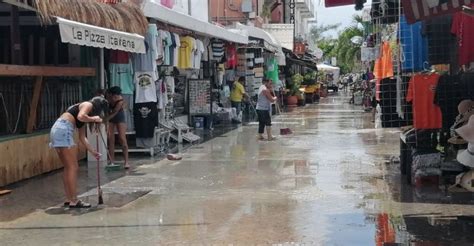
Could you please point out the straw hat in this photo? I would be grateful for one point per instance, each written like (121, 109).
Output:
(467, 131)
(466, 157)
(465, 109)
(466, 180)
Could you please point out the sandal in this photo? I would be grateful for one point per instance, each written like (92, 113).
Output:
(260, 138)
(80, 204)
(66, 204)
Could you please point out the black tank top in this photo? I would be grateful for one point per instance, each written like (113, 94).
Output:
(74, 111)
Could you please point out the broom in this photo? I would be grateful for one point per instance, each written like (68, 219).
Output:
(99, 189)
(111, 166)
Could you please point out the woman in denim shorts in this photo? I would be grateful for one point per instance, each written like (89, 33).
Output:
(62, 140)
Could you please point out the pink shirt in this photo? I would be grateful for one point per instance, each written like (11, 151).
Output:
(167, 3)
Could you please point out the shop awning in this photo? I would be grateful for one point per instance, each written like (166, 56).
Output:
(88, 35)
(166, 15)
(270, 42)
(426, 9)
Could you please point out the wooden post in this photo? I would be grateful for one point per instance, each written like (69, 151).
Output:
(15, 36)
(34, 104)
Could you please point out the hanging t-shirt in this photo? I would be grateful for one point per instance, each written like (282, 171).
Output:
(167, 42)
(186, 52)
(414, 46)
(421, 92)
(146, 119)
(176, 50)
(121, 75)
(449, 93)
(462, 28)
(145, 87)
(119, 57)
(206, 43)
(198, 52)
(159, 48)
(147, 61)
(172, 49)
(217, 47)
(231, 56)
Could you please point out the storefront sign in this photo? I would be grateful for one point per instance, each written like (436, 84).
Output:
(88, 35)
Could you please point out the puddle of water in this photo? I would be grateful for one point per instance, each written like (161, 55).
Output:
(116, 200)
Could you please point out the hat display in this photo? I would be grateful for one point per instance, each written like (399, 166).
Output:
(466, 180)
(466, 157)
(467, 131)
(465, 109)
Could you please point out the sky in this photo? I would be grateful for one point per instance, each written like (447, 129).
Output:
(335, 15)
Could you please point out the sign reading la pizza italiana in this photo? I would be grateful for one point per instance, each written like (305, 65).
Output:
(88, 35)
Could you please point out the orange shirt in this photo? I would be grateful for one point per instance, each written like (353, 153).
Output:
(383, 66)
(421, 91)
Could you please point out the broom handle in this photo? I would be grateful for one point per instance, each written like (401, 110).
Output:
(98, 160)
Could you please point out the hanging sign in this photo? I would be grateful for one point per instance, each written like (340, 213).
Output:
(300, 48)
(88, 35)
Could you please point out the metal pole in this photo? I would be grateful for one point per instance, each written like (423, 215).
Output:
(102, 69)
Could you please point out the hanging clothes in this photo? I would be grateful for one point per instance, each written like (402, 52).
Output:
(186, 56)
(421, 92)
(198, 53)
(448, 95)
(272, 71)
(147, 61)
(146, 119)
(461, 27)
(383, 66)
(145, 87)
(218, 49)
(167, 42)
(176, 50)
(231, 56)
(121, 71)
(414, 46)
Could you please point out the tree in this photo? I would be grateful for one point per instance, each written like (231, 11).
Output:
(317, 32)
(348, 53)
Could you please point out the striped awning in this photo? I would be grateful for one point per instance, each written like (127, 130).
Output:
(417, 10)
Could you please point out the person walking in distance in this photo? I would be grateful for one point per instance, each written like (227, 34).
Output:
(264, 107)
(117, 122)
(62, 140)
(237, 94)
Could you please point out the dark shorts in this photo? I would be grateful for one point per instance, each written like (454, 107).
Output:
(264, 117)
(118, 118)
(374, 102)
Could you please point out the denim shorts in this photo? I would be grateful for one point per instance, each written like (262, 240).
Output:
(62, 134)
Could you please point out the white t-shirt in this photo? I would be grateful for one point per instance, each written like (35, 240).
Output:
(176, 51)
(199, 50)
(145, 87)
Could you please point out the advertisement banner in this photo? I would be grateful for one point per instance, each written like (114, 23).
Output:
(87, 35)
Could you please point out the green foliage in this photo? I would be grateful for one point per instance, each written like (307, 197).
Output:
(347, 53)
(295, 84)
(310, 78)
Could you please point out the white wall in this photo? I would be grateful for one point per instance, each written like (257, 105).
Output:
(200, 9)
(181, 6)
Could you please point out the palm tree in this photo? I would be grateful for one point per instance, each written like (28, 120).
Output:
(346, 51)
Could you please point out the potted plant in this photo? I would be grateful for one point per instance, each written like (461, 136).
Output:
(294, 89)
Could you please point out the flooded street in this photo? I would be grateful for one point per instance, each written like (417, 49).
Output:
(329, 183)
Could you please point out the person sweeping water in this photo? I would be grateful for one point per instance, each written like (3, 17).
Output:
(62, 140)
(264, 109)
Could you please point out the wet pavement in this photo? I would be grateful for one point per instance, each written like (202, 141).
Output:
(329, 183)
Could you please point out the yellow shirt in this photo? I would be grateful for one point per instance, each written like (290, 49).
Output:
(237, 92)
(186, 52)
